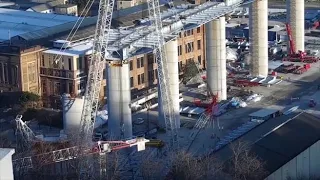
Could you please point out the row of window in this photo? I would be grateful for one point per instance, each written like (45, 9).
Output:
(152, 75)
(61, 63)
(189, 47)
(189, 32)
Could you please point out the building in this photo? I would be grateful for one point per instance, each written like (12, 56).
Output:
(67, 9)
(19, 69)
(57, 7)
(288, 146)
(123, 4)
(292, 150)
(64, 71)
(23, 37)
(6, 171)
(64, 77)
(143, 68)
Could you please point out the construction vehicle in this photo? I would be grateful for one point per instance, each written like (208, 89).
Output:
(245, 83)
(293, 55)
(312, 103)
(303, 69)
(155, 143)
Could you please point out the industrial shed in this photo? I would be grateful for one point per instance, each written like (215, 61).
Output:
(291, 150)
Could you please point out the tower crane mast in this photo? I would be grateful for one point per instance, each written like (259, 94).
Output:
(95, 76)
(163, 78)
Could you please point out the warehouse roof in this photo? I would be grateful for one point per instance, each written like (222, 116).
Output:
(265, 111)
(16, 22)
(287, 141)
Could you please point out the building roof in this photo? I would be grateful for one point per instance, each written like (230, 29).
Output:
(287, 141)
(265, 111)
(76, 49)
(16, 22)
(5, 152)
(40, 8)
(65, 5)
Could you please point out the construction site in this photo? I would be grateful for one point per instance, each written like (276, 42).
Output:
(260, 64)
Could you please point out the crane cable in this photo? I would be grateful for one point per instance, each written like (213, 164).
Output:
(75, 28)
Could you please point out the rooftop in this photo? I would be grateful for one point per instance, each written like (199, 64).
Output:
(265, 111)
(5, 152)
(76, 49)
(287, 141)
(16, 22)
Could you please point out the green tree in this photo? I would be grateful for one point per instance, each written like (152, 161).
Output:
(190, 71)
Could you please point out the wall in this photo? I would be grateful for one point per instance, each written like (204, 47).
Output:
(184, 40)
(67, 76)
(306, 164)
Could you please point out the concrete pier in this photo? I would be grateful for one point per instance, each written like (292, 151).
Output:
(259, 37)
(216, 57)
(295, 17)
(119, 99)
(171, 52)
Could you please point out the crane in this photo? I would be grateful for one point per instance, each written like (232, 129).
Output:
(293, 55)
(73, 153)
(163, 79)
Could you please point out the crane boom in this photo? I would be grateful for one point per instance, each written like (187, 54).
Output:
(73, 153)
(95, 76)
(163, 78)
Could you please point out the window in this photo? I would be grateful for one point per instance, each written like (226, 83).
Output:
(32, 72)
(141, 62)
(150, 76)
(138, 63)
(131, 81)
(142, 78)
(156, 74)
(199, 60)
(198, 29)
(79, 64)
(1, 73)
(199, 44)
(131, 65)
(70, 64)
(139, 82)
(42, 60)
(180, 66)
(180, 35)
(189, 47)
(57, 88)
(43, 87)
(179, 50)
(81, 85)
(70, 88)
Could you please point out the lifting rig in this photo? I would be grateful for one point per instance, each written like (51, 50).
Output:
(299, 56)
(91, 98)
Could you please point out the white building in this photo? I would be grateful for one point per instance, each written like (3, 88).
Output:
(6, 171)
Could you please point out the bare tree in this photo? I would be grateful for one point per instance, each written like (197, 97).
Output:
(244, 164)
(151, 168)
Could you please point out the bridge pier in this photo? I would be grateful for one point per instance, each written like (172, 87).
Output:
(295, 17)
(216, 57)
(259, 37)
(119, 99)
(171, 52)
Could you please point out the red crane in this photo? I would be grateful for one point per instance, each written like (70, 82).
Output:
(299, 56)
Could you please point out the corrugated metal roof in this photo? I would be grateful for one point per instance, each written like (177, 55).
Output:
(289, 140)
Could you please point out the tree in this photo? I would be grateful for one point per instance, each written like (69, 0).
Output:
(190, 71)
(244, 164)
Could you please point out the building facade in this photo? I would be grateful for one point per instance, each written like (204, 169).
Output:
(19, 69)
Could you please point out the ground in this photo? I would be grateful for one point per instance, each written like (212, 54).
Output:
(304, 86)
